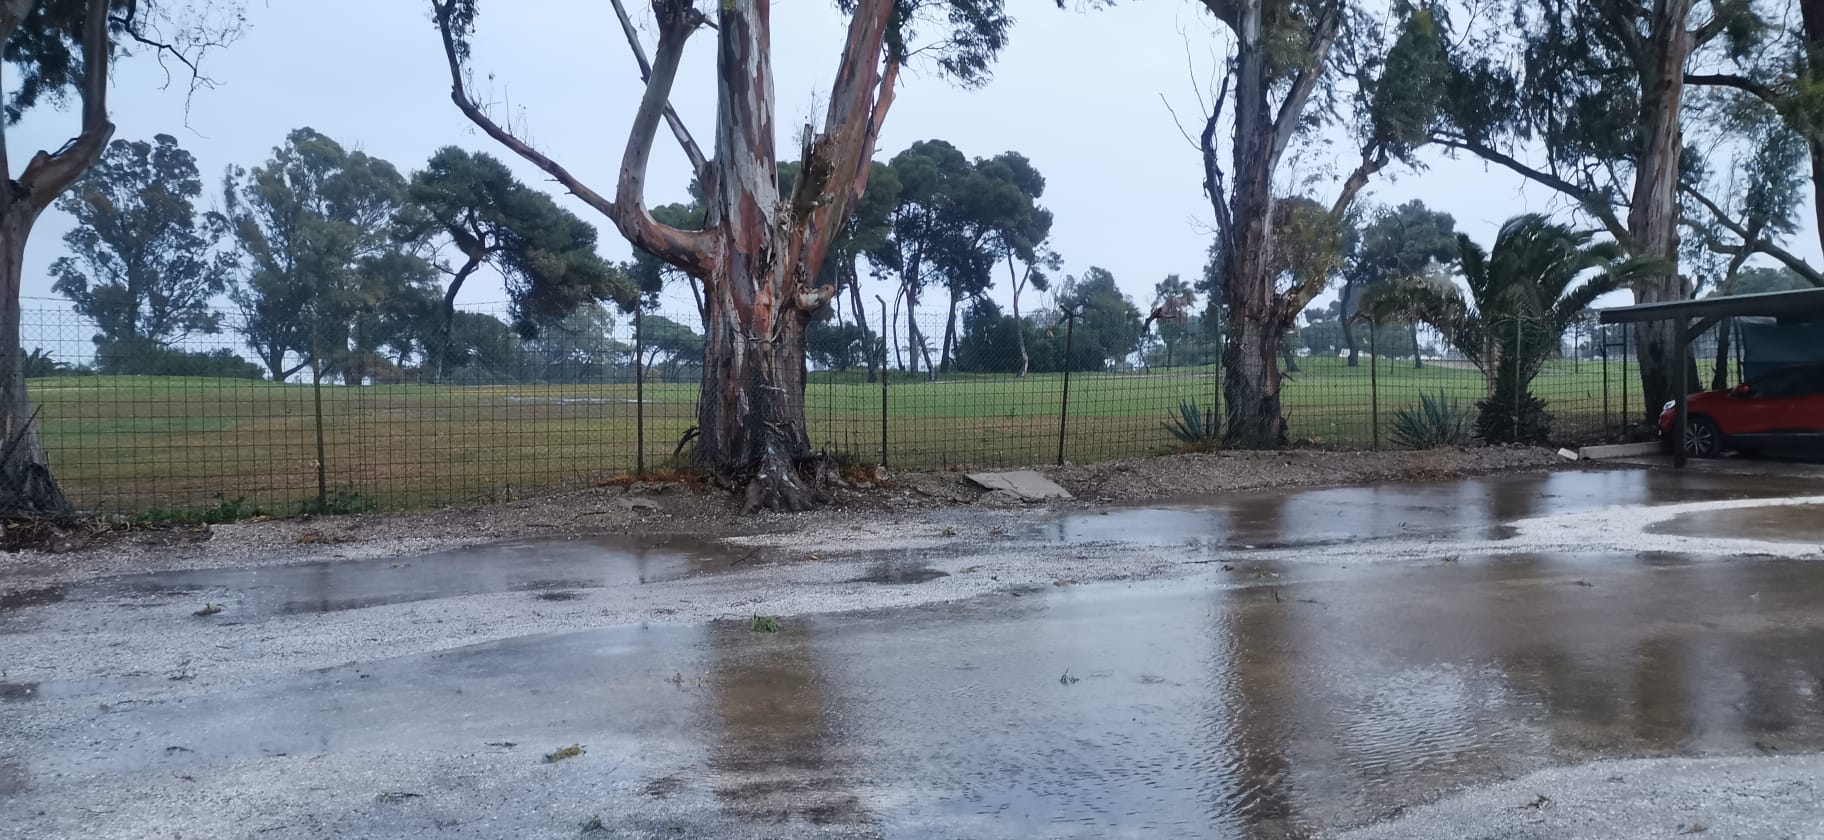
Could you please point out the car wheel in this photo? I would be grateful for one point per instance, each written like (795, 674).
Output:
(1702, 438)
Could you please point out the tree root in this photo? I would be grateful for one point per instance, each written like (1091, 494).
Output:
(788, 484)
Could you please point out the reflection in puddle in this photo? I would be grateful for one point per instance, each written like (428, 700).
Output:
(1470, 508)
(520, 566)
(12, 691)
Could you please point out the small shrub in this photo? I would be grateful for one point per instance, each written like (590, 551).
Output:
(1502, 419)
(1192, 428)
(1438, 420)
(340, 501)
(765, 624)
(224, 510)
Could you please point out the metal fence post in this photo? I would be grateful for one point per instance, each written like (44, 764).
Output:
(639, 392)
(1374, 382)
(316, 389)
(1627, 348)
(884, 326)
(1070, 328)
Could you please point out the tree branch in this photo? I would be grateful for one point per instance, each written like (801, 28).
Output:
(1764, 92)
(1224, 10)
(1757, 243)
(1292, 108)
(1591, 200)
(699, 164)
(48, 175)
(1374, 159)
(1212, 166)
(688, 250)
(466, 104)
(859, 101)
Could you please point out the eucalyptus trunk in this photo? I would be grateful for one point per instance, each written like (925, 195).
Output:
(26, 485)
(1653, 208)
(1346, 312)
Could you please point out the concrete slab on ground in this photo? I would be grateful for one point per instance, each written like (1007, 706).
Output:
(1029, 485)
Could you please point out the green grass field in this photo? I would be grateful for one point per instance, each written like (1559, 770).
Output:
(137, 443)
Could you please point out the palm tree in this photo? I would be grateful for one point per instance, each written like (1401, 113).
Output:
(1524, 293)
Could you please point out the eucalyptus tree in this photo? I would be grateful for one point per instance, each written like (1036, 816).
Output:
(760, 252)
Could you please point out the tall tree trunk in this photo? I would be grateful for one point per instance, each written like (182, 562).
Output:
(899, 359)
(441, 354)
(1019, 324)
(949, 336)
(26, 485)
(1346, 315)
(1286, 344)
(1418, 359)
(1653, 207)
(1811, 14)
(861, 313)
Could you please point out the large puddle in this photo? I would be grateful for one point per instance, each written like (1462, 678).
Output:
(543, 569)
(1468, 509)
(1270, 710)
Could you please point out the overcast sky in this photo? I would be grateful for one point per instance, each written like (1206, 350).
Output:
(1077, 92)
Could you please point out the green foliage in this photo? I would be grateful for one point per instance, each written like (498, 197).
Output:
(764, 624)
(575, 348)
(672, 344)
(1539, 278)
(38, 364)
(545, 254)
(1506, 417)
(147, 358)
(1193, 429)
(1107, 327)
(339, 502)
(224, 510)
(142, 263)
(1438, 420)
(834, 344)
(323, 274)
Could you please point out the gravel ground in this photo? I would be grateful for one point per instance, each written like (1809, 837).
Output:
(673, 508)
(1764, 798)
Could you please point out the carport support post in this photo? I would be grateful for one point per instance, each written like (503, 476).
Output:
(1680, 338)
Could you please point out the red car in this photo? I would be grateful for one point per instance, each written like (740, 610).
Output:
(1784, 407)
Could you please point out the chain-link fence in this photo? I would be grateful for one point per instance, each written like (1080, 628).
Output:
(194, 423)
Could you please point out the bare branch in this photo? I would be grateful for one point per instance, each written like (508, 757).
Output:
(688, 250)
(1175, 121)
(698, 163)
(1760, 91)
(1213, 182)
(1590, 200)
(1374, 159)
(1751, 240)
(1292, 108)
(466, 104)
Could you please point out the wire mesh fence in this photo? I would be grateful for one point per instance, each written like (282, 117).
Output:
(193, 424)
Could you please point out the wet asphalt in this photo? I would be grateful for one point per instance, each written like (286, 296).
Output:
(1306, 690)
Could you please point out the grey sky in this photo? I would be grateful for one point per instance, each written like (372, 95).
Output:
(1077, 92)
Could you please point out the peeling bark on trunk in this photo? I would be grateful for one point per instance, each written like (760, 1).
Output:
(1653, 207)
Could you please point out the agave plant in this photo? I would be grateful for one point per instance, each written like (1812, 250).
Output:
(1191, 427)
(1438, 420)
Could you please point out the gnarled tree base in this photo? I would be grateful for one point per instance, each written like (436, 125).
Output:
(786, 484)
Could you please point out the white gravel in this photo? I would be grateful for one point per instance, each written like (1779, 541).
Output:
(1763, 798)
